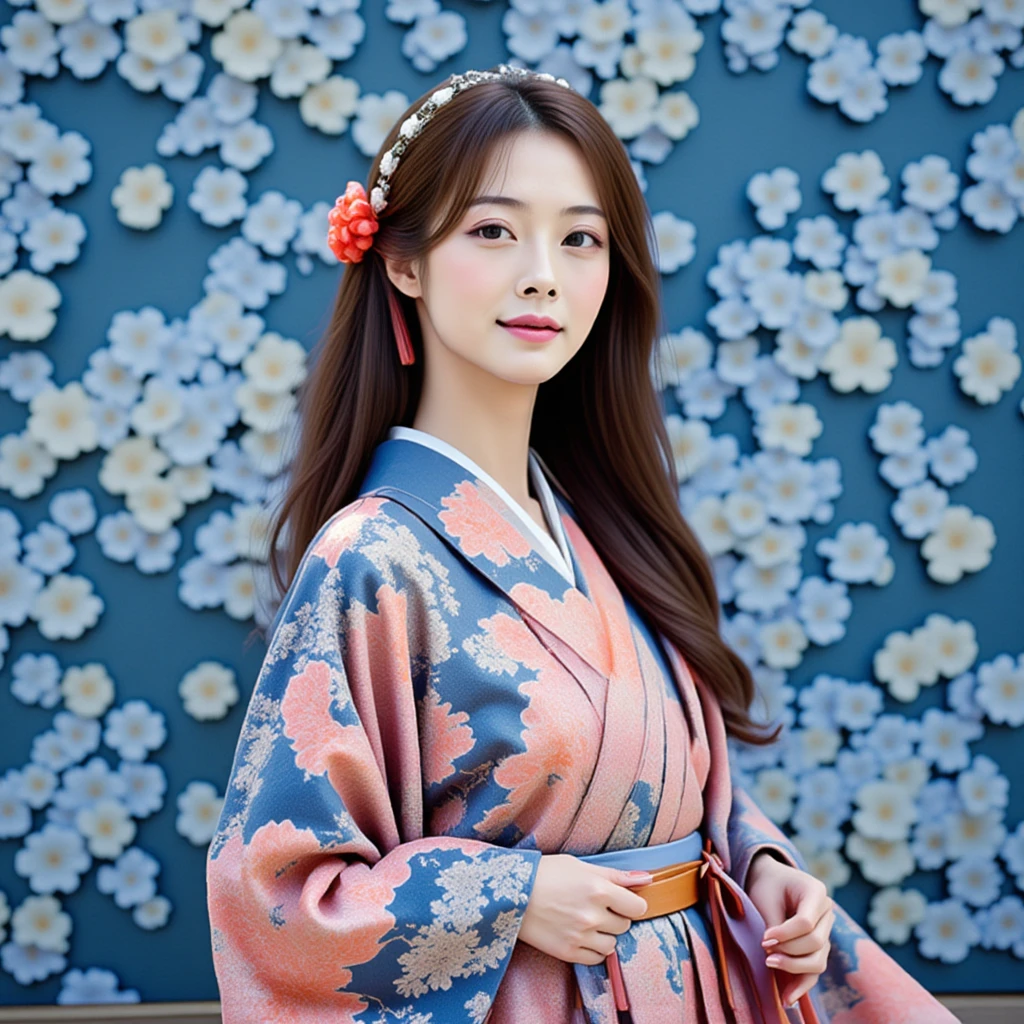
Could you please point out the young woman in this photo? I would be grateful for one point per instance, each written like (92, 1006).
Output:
(483, 775)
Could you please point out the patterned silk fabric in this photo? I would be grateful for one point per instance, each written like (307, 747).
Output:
(437, 708)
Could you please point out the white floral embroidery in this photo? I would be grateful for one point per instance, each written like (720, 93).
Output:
(478, 1007)
(449, 947)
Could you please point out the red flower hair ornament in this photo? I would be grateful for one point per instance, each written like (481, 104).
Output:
(352, 224)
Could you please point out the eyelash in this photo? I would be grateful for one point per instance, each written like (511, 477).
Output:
(597, 241)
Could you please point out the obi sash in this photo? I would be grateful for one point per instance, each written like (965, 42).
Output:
(736, 924)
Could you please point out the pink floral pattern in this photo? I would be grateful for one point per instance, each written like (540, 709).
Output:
(438, 709)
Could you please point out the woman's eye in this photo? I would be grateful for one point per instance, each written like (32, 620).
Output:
(489, 227)
(501, 227)
(587, 234)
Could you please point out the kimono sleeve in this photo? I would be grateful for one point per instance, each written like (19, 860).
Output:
(750, 831)
(861, 983)
(327, 902)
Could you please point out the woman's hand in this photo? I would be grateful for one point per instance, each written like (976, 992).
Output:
(798, 911)
(577, 909)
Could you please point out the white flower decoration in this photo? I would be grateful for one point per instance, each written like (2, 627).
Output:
(857, 181)
(131, 464)
(953, 644)
(894, 912)
(142, 195)
(27, 302)
(887, 811)
(675, 241)
(1000, 690)
(61, 165)
(906, 662)
(690, 444)
(134, 729)
(52, 859)
(856, 554)
(946, 931)
(276, 365)
(949, 13)
(246, 47)
(775, 195)
(969, 76)
(61, 420)
(901, 277)
(882, 861)
(208, 690)
(131, 880)
(989, 365)
(629, 105)
(40, 921)
(811, 34)
(299, 66)
(930, 184)
(861, 357)
(66, 607)
(88, 689)
(94, 985)
(676, 115)
(155, 36)
(774, 791)
(783, 643)
(897, 428)
(792, 427)
(199, 808)
(962, 542)
(153, 913)
(329, 105)
(375, 116)
(900, 56)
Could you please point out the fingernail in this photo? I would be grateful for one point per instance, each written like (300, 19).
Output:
(769, 942)
(773, 961)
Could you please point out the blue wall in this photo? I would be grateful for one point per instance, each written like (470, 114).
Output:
(749, 122)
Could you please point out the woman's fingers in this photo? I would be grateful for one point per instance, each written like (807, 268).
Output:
(809, 963)
(600, 943)
(622, 901)
(614, 924)
(808, 914)
(801, 988)
(808, 942)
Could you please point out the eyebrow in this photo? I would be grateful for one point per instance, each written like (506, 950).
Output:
(520, 205)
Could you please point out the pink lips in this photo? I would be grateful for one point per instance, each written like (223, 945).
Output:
(531, 333)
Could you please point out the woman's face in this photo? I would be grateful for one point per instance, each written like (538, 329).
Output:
(519, 249)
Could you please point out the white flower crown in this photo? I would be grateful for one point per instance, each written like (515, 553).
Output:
(413, 125)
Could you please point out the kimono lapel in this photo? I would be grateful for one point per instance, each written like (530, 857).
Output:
(474, 521)
(589, 632)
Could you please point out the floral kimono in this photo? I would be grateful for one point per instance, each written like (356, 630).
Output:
(447, 695)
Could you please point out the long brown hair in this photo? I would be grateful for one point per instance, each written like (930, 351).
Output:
(597, 424)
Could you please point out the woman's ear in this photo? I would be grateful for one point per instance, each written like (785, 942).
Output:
(404, 277)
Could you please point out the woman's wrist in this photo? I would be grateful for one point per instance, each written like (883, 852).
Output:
(758, 859)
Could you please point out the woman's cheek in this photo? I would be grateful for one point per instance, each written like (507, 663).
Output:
(471, 274)
(590, 292)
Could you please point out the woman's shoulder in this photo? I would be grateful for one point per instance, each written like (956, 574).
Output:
(349, 533)
(371, 542)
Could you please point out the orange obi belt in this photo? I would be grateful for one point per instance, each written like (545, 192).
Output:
(736, 924)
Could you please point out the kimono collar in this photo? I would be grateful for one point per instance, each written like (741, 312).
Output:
(476, 522)
(554, 547)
